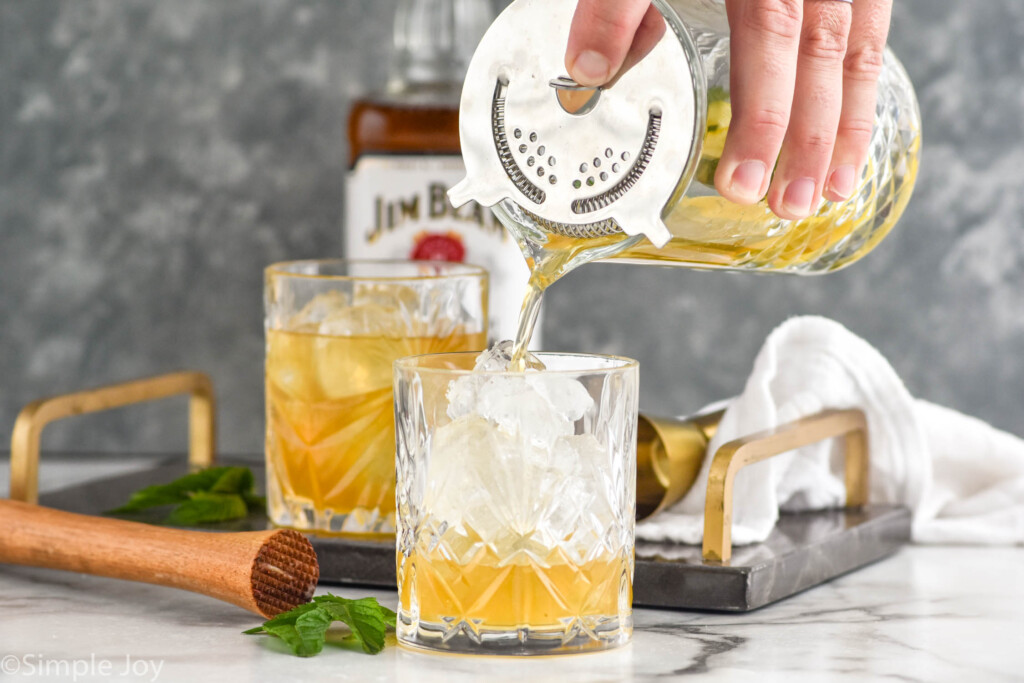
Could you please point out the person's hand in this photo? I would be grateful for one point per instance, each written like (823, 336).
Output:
(803, 85)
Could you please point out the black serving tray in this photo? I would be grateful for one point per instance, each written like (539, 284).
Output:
(804, 550)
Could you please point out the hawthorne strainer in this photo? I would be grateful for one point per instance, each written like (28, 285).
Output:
(581, 162)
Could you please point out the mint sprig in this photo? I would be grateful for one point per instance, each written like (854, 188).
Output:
(304, 628)
(717, 93)
(216, 494)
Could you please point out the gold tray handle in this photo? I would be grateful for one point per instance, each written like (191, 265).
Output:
(36, 415)
(735, 455)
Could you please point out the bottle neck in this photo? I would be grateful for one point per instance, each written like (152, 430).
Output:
(433, 43)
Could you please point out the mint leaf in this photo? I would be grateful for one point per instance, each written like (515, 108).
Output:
(234, 480)
(175, 492)
(306, 636)
(205, 507)
(304, 628)
(706, 169)
(390, 618)
(364, 617)
(254, 502)
(216, 494)
(717, 93)
(288, 617)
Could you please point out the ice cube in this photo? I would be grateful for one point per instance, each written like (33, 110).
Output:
(566, 395)
(434, 311)
(477, 476)
(461, 395)
(461, 455)
(401, 302)
(365, 320)
(443, 308)
(498, 358)
(376, 310)
(538, 405)
(319, 308)
(384, 310)
(510, 466)
(512, 493)
(513, 405)
(387, 295)
(569, 486)
(373, 310)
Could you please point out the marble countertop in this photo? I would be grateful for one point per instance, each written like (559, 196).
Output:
(925, 614)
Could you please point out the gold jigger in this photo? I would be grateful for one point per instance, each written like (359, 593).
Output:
(669, 453)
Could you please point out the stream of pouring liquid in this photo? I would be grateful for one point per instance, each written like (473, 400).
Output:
(527, 321)
(550, 257)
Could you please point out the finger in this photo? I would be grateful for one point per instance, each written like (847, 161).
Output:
(648, 34)
(600, 36)
(861, 69)
(817, 102)
(765, 36)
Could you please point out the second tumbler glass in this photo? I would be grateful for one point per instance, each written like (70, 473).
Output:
(333, 330)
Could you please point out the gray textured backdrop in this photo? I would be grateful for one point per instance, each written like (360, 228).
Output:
(155, 155)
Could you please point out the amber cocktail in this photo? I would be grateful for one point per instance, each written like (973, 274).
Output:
(334, 328)
(516, 502)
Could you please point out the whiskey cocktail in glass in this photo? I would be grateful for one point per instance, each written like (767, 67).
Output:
(516, 498)
(333, 330)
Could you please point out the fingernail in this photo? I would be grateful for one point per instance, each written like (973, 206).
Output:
(591, 68)
(747, 180)
(798, 197)
(842, 181)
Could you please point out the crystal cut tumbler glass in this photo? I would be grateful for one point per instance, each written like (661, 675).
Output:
(516, 497)
(333, 330)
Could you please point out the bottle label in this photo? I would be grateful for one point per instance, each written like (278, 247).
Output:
(396, 206)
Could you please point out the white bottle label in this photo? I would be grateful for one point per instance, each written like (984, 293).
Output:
(396, 206)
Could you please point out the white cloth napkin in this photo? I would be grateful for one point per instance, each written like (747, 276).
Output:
(962, 479)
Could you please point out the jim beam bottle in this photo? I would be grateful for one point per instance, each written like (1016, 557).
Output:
(404, 155)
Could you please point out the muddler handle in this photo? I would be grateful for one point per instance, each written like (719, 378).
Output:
(266, 572)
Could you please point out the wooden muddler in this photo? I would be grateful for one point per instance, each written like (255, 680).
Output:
(266, 572)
